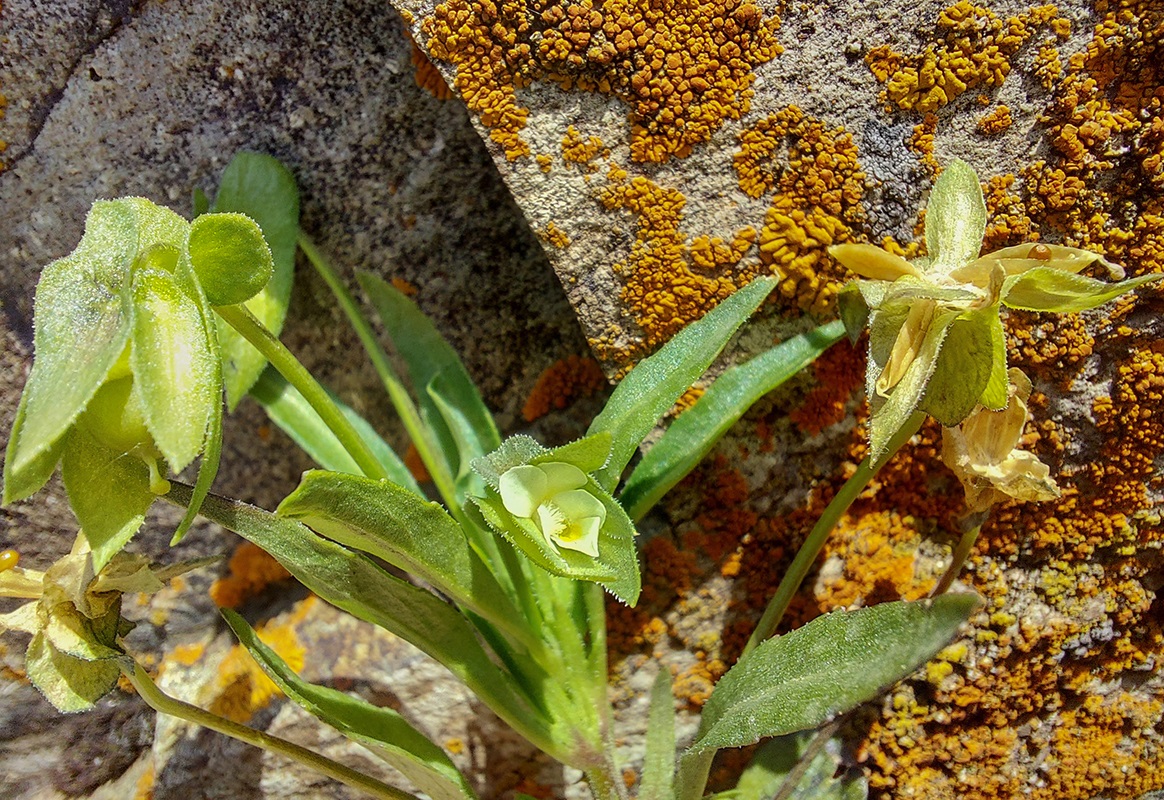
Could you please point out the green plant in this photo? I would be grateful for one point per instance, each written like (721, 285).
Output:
(526, 540)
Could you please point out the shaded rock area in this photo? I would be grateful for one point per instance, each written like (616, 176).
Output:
(659, 156)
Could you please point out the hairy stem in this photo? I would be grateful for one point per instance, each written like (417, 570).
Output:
(164, 704)
(243, 321)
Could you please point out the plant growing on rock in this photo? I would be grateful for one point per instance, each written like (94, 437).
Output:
(517, 555)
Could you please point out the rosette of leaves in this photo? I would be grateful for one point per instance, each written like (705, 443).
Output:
(126, 383)
(936, 342)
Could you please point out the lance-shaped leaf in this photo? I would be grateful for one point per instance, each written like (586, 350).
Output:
(429, 358)
(802, 679)
(400, 527)
(287, 408)
(354, 583)
(693, 434)
(659, 762)
(259, 186)
(381, 730)
(1050, 289)
(655, 383)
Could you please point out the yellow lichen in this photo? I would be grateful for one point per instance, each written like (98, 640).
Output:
(251, 571)
(577, 149)
(427, 75)
(995, 122)
(554, 236)
(682, 70)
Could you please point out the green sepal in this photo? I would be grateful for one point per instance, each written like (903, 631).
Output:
(800, 680)
(199, 202)
(888, 414)
(259, 186)
(996, 393)
(380, 729)
(74, 634)
(287, 408)
(35, 472)
(853, 309)
(658, 782)
(774, 762)
(656, 382)
(964, 370)
(398, 526)
(589, 454)
(70, 684)
(230, 257)
(109, 492)
(173, 363)
(955, 218)
(1050, 289)
(693, 434)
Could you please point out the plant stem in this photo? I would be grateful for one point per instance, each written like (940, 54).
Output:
(405, 408)
(243, 321)
(796, 774)
(164, 704)
(961, 553)
(807, 554)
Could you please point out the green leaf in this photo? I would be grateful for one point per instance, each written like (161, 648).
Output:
(286, 408)
(659, 760)
(655, 383)
(1050, 289)
(774, 761)
(428, 357)
(469, 442)
(403, 529)
(853, 309)
(694, 432)
(955, 218)
(230, 257)
(381, 730)
(802, 679)
(174, 366)
(963, 369)
(70, 684)
(889, 414)
(262, 188)
(35, 471)
(109, 491)
(354, 583)
(994, 396)
(199, 202)
(74, 634)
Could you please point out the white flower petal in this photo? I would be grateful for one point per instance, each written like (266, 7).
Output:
(562, 476)
(581, 535)
(523, 489)
(578, 503)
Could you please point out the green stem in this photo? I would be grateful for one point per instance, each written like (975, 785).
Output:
(243, 321)
(961, 553)
(405, 408)
(164, 704)
(807, 554)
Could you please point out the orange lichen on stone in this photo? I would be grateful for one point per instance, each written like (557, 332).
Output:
(972, 50)
(921, 141)
(686, 400)
(428, 77)
(839, 372)
(660, 289)
(545, 163)
(241, 686)
(817, 201)
(405, 287)
(251, 571)
(555, 236)
(995, 122)
(577, 149)
(188, 654)
(683, 70)
(561, 383)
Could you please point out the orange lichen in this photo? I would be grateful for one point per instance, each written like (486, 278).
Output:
(428, 77)
(660, 288)
(973, 50)
(817, 201)
(995, 122)
(405, 287)
(686, 400)
(545, 163)
(251, 571)
(683, 70)
(577, 149)
(554, 236)
(241, 686)
(188, 654)
(561, 383)
(415, 464)
(839, 372)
